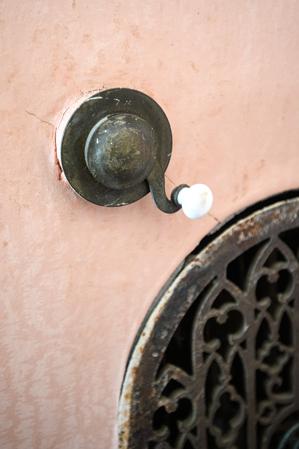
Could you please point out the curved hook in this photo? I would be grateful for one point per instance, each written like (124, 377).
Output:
(156, 183)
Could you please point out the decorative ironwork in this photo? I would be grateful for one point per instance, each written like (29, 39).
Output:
(215, 364)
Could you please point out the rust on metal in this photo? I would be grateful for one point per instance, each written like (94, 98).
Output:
(215, 363)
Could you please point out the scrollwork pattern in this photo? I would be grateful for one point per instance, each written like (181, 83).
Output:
(217, 365)
(242, 345)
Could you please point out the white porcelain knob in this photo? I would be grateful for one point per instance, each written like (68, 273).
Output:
(196, 201)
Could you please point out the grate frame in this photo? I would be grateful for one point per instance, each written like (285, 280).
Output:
(171, 397)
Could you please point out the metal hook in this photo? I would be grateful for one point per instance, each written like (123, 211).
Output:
(116, 149)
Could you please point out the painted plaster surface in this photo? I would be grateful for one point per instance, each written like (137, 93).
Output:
(77, 279)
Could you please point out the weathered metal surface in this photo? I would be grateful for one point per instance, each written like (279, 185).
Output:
(116, 148)
(215, 364)
(120, 151)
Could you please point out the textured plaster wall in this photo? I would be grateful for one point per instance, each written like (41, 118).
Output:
(76, 279)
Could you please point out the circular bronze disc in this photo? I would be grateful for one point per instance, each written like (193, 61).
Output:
(95, 108)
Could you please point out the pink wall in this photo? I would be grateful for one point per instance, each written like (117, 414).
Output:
(77, 279)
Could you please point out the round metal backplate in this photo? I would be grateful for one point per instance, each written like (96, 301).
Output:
(112, 101)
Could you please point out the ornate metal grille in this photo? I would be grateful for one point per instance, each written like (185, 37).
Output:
(215, 365)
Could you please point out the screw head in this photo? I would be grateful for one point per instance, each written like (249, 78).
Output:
(120, 150)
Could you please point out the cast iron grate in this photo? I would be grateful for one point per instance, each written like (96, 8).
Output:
(215, 365)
